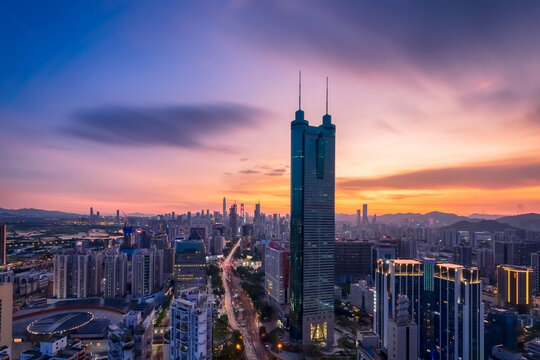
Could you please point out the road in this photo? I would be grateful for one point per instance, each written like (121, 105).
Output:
(254, 347)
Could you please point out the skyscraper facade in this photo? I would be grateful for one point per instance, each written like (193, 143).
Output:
(364, 214)
(394, 278)
(459, 313)
(142, 273)
(115, 272)
(312, 231)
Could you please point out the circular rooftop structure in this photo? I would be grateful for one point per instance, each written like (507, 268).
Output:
(60, 323)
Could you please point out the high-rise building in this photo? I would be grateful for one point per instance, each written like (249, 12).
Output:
(407, 248)
(352, 260)
(462, 255)
(77, 274)
(3, 243)
(535, 265)
(91, 218)
(117, 215)
(312, 230)
(402, 333)
(364, 214)
(363, 296)
(276, 272)
(233, 221)
(458, 313)
(190, 263)
(191, 326)
(486, 262)
(514, 286)
(115, 273)
(224, 207)
(6, 313)
(394, 278)
(142, 273)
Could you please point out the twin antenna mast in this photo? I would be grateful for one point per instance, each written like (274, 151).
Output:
(300, 92)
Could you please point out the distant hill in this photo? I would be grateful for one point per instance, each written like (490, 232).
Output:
(11, 214)
(482, 225)
(436, 217)
(484, 216)
(524, 221)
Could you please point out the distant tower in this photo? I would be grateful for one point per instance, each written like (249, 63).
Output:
(224, 207)
(312, 230)
(117, 215)
(364, 214)
(91, 219)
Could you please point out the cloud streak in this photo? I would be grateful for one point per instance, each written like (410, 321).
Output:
(184, 126)
(486, 176)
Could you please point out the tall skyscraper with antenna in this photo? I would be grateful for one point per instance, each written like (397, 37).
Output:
(312, 229)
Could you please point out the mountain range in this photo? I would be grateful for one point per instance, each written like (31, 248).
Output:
(474, 222)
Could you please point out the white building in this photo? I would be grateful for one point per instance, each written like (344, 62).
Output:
(133, 338)
(191, 326)
(363, 296)
(402, 333)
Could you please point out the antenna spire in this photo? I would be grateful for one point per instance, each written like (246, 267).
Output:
(327, 95)
(299, 89)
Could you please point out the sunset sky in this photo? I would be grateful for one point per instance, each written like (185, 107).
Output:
(169, 106)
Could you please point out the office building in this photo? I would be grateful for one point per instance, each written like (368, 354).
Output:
(535, 266)
(394, 278)
(514, 286)
(364, 215)
(352, 260)
(189, 263)
(312, 230)
(407, 248)
(276, 272)
(486, 262)
(3, 243)
(224, 208)
(462, 255)
(458, 313)
(91, 218)
(142, 273)
(6, 313)
(233, 221)
(115, 274)
(500, 328)
(191, 326)
(402, 333)
(363, 296)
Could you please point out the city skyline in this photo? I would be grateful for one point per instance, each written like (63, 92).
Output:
(122, 106)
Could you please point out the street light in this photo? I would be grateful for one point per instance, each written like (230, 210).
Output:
(238, 347)
(279, 347)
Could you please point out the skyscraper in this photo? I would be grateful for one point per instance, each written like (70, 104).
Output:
(224, 207)
(364, 214)
(91, 218)
(115, 274)
(142, 273)
(458, 313)
(394, 278)
(3, 243)
(312, 230)
(190, 263)
(514, 286)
